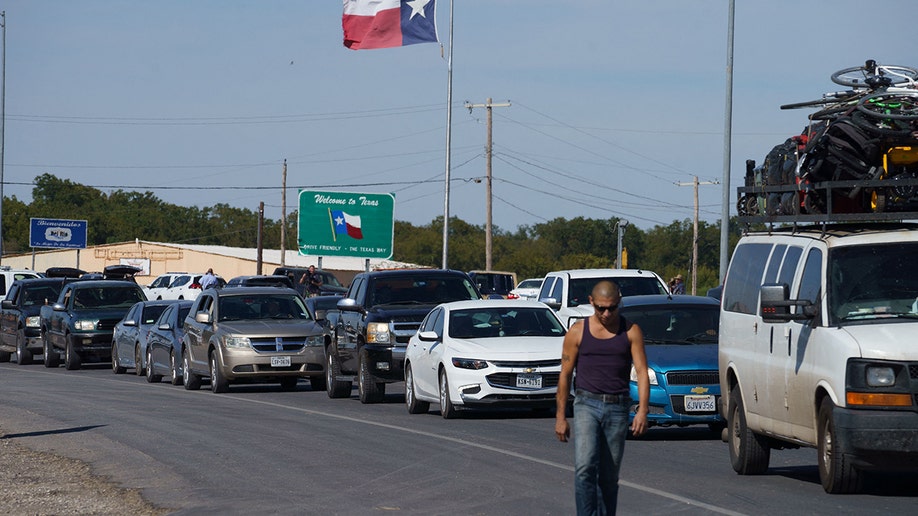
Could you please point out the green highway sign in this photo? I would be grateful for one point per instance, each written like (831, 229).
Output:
(346, 224)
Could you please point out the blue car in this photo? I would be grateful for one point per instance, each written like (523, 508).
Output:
(680, 339)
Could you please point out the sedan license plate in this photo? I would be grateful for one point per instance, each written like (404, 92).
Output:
(700, 404)
(532, 381)
(280, 361)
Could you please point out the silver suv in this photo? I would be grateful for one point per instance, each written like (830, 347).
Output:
(252, 333)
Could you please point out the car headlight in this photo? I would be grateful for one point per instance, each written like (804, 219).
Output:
(469, 363)
(378, 333)
(315, 340)
(85, 324)
(33, 322)
(237, 342)
(881, 376)
(650, 374)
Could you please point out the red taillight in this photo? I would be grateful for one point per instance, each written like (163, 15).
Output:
(512, 296)
(195, 285)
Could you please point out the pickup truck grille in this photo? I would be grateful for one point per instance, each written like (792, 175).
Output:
(107, 324)
(279, 344)
(404, 330)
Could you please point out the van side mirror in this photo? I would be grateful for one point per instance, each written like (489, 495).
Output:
(776, 304)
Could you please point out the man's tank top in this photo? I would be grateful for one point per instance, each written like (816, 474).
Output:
(604, 365)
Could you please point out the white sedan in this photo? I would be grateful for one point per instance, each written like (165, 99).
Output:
(484, 353)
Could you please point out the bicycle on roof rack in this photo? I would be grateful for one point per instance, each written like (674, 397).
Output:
(857, 156)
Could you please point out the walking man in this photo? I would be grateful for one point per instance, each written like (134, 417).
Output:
(602, 348)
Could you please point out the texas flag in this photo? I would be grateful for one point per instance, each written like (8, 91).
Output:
(388, 23)
(346, 224)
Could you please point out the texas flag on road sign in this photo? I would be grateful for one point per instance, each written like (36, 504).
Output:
(388, 23)
(346, 224)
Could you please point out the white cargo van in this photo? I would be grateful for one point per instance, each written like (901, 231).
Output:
(567, 292)
(819, 348)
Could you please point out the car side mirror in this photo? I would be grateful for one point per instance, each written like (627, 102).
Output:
(130, 322)
(203, 317)
(7, 304)
(553, 303)
(165, 326)
(428, 336)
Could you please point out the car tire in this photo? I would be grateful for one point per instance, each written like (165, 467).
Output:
(175, 378)
(72, 360)
(836, 472)
(415, 406)
(23, 355)
(138, 361)
(447, 409)
(190, 380)
(117, 368)
(317, 382)
(749, 452)
(5, 356)
(218, 382)
(50, 357)
(335, 388)
(152, 377)
(288, 383)
(368, 390)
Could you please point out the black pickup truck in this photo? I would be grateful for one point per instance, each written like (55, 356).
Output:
(20, 331)
(80, 324)
(374, 321)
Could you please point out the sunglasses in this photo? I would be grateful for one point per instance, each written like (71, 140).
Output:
(610, 308)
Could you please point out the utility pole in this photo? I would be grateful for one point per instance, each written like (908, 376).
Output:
(3, 125)
(260, 241)
(695, 183)
(488, 105)
(283, 235)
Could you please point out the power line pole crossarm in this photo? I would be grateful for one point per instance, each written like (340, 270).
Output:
(487, 105)
(695, 183)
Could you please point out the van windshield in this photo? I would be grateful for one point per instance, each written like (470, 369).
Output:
(868, 283)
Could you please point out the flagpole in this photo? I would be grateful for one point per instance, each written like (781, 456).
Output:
(449, 127)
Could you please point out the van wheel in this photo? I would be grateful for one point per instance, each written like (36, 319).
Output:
(836, 472)
(369, 390)
(749, 452)
(335, 388)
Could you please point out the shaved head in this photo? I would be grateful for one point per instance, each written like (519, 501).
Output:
(606, 289)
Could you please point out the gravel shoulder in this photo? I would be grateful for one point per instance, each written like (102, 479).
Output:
(45, 483)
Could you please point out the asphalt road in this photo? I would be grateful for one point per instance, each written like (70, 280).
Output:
(260, 450)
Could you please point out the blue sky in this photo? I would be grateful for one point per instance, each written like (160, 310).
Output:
(613, 103)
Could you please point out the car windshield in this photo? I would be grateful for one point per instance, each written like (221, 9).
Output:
(530, 284)
(872, 282)
(40, 295)
(417, 290)
(107, 297)
(151, 313)
(262, 306)
(504, 322)
(629, 286)
(687, 324)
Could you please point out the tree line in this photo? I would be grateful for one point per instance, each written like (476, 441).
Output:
(530, 251)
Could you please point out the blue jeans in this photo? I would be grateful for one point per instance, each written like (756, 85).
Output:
(599, 433)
